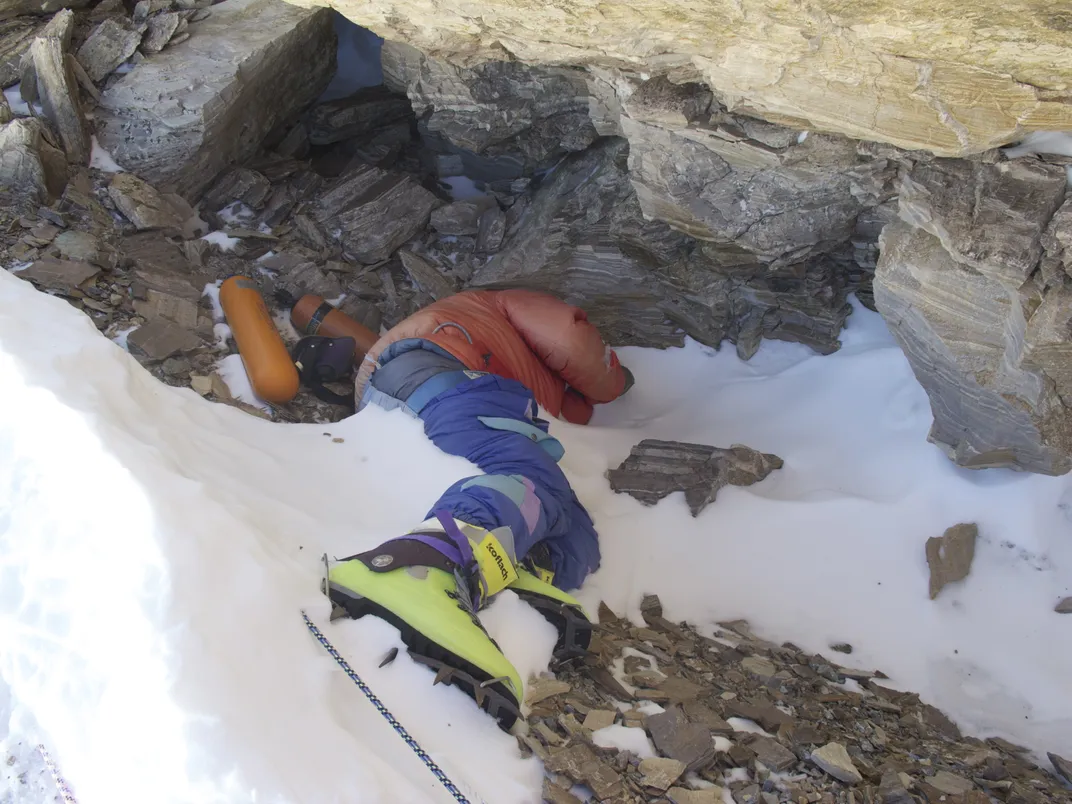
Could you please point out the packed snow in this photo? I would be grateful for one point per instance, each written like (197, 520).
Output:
(212, 292)
(156, 551)
(121, 335)
(236, 214)
(1042, 142)
(101, 159)
(232, 371)
(19, 107)
(624, 738)
(745, 726)
(221, 332)
(223, 240)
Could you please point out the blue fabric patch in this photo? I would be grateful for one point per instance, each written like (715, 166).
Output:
(378, 398)
(408, 345)
(508, 486)
(433, 387)
(551, 445)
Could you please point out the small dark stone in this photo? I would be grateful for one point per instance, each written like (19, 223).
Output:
(842, 647)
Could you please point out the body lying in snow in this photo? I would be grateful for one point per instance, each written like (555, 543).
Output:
(474, 367)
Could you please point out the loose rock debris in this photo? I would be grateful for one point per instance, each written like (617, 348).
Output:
(821, 743)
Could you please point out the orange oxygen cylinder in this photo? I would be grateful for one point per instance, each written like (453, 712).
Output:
(314, 316)
(269, 366)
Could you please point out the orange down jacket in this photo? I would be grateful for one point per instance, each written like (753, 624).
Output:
(545, 344)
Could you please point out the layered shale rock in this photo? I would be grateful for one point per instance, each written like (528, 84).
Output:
(661, 213)
(32, 165)
(773, 192)
(188, 112)
(974, 282)
(915, 73)
(655, 469)
(15, 8)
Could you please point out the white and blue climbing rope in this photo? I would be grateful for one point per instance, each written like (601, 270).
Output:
(57, 777)
(383, 710)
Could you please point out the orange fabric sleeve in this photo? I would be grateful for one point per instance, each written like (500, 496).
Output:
(575, 408)
(566, 342)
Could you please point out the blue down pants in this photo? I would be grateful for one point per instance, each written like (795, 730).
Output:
(492, 422)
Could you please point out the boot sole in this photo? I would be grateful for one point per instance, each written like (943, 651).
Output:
(491, 696)
(574, 629)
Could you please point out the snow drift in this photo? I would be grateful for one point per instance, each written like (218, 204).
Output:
(156, 551)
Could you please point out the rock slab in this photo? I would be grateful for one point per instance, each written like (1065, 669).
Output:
(141, 204)
(950, 783)
(655, 469)
(373, 211)
(675, 737)
(950, 556)
(190, 111)
(109, 45)
(159, 339)
(973, 282)
(59, 95)
(60, 275)
(61, 27)
(659, 773)
(359, 115)
(832, 758)
(15, 8)
(906, 72)
(1062, 766)
(16, 35)
(32, 167)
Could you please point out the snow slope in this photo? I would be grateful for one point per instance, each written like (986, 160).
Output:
(156, 550)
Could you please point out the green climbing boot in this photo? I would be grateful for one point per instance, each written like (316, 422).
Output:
(432, 600)
(560, 609)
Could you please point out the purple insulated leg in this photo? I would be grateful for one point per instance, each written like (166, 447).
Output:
(453, 421)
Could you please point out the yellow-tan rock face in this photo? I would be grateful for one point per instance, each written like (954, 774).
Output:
(951, 76)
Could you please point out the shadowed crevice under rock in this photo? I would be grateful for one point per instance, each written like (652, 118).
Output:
(497, 108)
